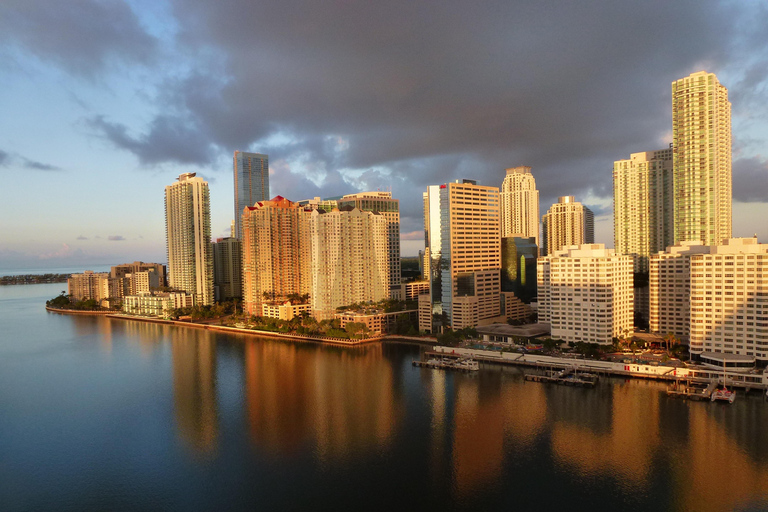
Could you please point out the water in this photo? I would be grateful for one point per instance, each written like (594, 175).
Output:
(99, 414)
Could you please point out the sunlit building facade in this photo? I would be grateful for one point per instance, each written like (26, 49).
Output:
(567, 223)
(643, 205)
(585, 294)
(275, 253)
(701, 135)
(349, 259)
(188, 238)
(384, 204)
(519, 204)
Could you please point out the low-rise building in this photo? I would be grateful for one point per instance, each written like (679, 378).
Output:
(377, 322)
(159, 305)
(285, 310)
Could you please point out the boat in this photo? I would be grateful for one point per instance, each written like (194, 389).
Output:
(724, 394)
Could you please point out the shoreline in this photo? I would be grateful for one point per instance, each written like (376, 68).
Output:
(237, 330)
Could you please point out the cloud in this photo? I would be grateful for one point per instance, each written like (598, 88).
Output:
(82, 38)
(38, 166)
(351, 96)
(168, 139)
(750, 180)
(65, 251)
(412, 235)
(115, 238)
(81, 237)
(3, 157)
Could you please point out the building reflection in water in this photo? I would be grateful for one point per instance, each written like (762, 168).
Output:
(624, 447)
(194, 388)
(338, 401)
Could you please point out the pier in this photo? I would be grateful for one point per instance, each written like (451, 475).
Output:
(464, 364)
(566, 377)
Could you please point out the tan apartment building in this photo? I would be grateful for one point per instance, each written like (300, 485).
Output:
(124, 269)
(349, 259)
(728, 296)
(670, 287)
(87, 286)
(382, 203)
(519, 204)
(567, 223)
(585, 294)
(643, 205)
(188, 237)
(701, 137)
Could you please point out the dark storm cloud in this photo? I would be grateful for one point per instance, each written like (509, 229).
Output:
(750, 180)
(170, 138)
(81, 36)
(406, 94)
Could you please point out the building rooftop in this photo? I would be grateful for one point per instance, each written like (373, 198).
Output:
(528, 330)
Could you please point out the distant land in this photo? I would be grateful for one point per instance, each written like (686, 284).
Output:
(34, 279)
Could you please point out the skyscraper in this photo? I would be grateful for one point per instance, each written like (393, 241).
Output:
(643, 206)
(227, 269)
(251, 183)
(701, 134)
(567, 222)
(188, 237)
(519, 204)
(465, 217)
(349, 258)
(383, 203)
(275, 252)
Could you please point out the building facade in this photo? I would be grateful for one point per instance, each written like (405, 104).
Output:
(227, 269)
(585, 294)
(464, 218)
(726, 293)
(251, 183)
(87, 286)
(518, 267)
(643, 205)
(669, 288)
(519, 204)
(701, 134)
(567, 223)
(384, 204)
(124, 269)
(188, 238)
(275, 253)
(349, 259)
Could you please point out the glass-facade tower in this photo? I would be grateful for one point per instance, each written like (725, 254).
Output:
(251, 183)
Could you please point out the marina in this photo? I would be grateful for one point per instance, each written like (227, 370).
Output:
(464, 364)
(566, 377)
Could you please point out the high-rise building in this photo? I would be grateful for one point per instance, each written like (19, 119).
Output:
(518, 267)
(227, 269)
(519, 204)
(188, 237)
(722, 293)
(701, 135)
(567, 223)
(251, 183)
(462, 229)
(643, 205)
(383, 203)
(585, 294)
(275, 253)
(349, 259)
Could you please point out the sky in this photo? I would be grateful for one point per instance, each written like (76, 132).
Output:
(104, 103)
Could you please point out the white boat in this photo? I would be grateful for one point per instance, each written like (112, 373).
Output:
(724, 394)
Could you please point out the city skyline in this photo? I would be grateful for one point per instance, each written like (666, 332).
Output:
(342, 100)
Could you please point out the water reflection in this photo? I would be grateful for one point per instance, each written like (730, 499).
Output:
(339, 401)
(194, 388)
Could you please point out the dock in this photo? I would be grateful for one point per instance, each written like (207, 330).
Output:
(464, 364)
(692, 391)
(566, 377)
